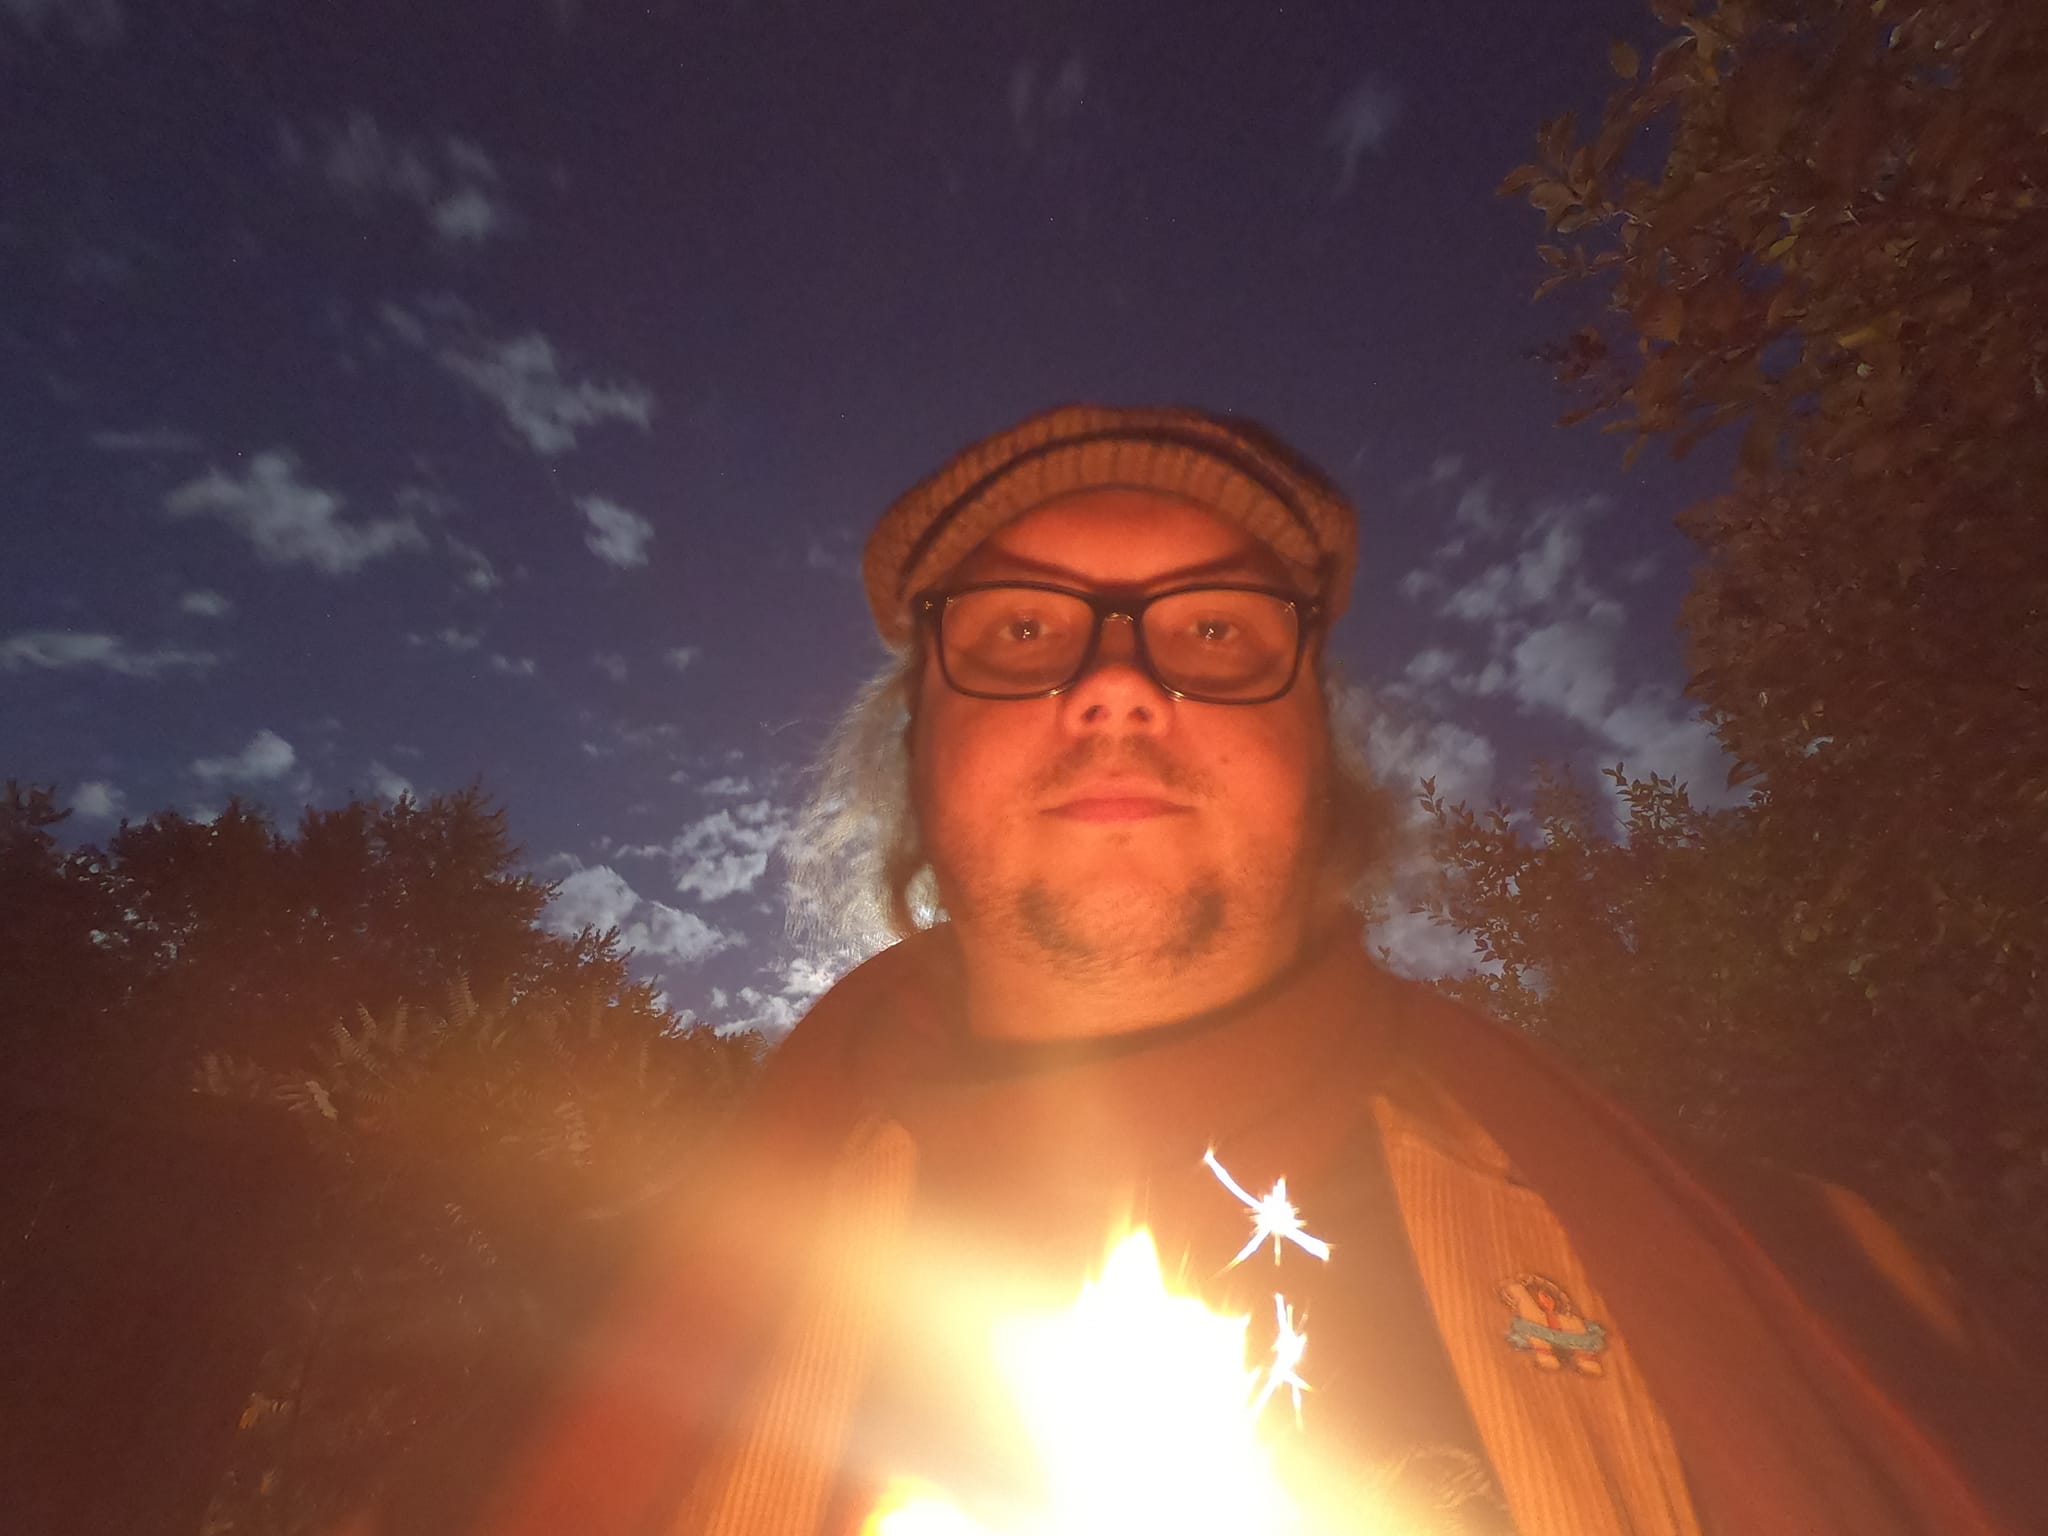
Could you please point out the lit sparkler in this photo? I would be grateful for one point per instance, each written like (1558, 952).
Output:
(1289, 1345)
(1143, 1412)
(1273, 1216)
(1141, 1407)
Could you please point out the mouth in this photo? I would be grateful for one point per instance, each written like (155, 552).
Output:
(1117, 807)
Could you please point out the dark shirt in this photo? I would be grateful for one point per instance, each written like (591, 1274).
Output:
(1032, 1160)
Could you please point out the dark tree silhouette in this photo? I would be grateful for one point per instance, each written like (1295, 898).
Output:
(1824, 227)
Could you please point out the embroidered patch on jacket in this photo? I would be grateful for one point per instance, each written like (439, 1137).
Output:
(1549, 1328)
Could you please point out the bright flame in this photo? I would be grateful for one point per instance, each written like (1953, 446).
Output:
(1143, 1413)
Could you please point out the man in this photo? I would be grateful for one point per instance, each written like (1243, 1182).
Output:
(1132, 989)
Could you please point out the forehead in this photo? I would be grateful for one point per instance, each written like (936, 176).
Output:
(1117, 537)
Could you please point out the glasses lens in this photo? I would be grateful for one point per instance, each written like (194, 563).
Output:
(1218, 644)
(1014, 640)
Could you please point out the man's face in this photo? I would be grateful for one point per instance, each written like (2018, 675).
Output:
(1114, 825)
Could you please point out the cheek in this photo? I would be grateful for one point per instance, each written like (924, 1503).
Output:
(968, 761)
(1270, 777)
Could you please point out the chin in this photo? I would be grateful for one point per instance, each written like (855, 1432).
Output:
(1115, 925)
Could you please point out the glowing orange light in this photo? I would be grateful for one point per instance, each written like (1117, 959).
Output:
(1144, 1414)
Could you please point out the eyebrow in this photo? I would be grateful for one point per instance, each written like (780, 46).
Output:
(1245, 564)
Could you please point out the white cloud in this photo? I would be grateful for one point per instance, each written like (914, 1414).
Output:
(1418, 946)
(1360, 126)
(680, 656)
(521, 375)
(96, 23)
(97, 800)
(617, 536)
(1433, 665)
(389, 783)
(837, 553)
(610, 663)
(473, 567)
(65, 650)
(511, 666)
(1039, 105)
(798, 982)
(1656, 731)
(205, 603)
(153, 440)
(724, 853)
(288, 521)
(267, 756)
(1459, 759)
(599, 897)
(1567, 667)
(726, 786)
(452, 184)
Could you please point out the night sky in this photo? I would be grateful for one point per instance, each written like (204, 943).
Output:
(397, 396)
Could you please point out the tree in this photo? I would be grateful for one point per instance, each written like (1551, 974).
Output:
(484, 1169)
(489, 1109)
(1825, 227)
(60, 948)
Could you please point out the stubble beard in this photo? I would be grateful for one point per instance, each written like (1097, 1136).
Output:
(1107, 943)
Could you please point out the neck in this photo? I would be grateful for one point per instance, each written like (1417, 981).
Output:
(1014, 993)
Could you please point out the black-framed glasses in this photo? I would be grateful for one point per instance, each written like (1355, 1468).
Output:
(1216, 644)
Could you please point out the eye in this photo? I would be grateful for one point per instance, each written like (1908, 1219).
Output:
(1024, 627)
(1215, 631)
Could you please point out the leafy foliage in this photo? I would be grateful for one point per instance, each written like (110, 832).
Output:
(1825, 227)
(484, 1169)
(491, 1109)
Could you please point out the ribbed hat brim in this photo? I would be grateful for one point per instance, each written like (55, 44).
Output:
(1223, 465)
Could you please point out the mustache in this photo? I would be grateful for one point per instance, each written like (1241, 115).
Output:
(1137, 756)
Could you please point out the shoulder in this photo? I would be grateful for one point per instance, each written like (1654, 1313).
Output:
(871, 1021)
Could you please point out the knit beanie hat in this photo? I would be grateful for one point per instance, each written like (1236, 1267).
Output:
(1223, 465)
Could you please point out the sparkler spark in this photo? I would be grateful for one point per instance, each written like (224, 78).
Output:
(1289, 1345)
(1273, 1216)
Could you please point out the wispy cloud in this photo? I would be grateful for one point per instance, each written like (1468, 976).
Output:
(795, 982)
(205, 603)
(449, 637)
(268, 756)
(452, 182)
(389, 784)
(473, 567)
(514, 666)
(1360, 126)
(289, 522)
(1549, 633)
(599, 897)
(1044, 101)
(96, 23)
(610, 663)
(521, 375)
(98, 800)
(682, 656)
(65, 650)
(617, 536)
(724, 853)
(148, 440)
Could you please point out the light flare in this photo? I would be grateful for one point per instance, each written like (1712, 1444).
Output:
(1289, 1345)
(1273, 1216)
(1143, 1413)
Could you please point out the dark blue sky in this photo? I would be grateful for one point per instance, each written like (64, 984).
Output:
(390, 398)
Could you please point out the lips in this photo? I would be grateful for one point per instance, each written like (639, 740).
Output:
(1117, 803)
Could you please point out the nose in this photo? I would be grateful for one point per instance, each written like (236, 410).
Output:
(1115, 694)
